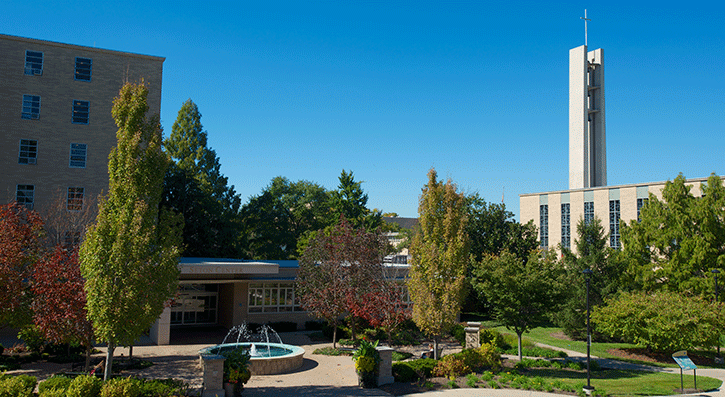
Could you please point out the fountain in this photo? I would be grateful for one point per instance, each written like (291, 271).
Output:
(266, 356)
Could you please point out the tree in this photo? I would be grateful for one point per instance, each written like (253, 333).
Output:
(439, 258)
(129, 258)
(59, 304)
(523, 292)
(67, 227)
(593, 253)
(21, 246)
(276, 220)
(679, 239)
(338, 271)
(195, 187)
(350, 201)
(663, 321)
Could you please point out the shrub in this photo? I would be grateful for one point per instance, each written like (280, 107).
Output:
(162, 388)
(33, 338)
(52, 393)
(57, 382)
(459, 334)
(2, 349)
(451, 366)
(84, 386)
(402, 372)
(314, 325)
(409, 371)
(17, 386)
(400, 356)
(121, 387)
(283, 326)
(493, 337)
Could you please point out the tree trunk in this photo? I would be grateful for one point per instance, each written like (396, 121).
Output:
(109, 360)
(130, 352)
(334, 335)
(520, 355)
(436, 343)
(352, 327)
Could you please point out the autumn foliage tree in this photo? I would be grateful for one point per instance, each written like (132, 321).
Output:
(59, 304)
(21, 244)
(338, 271)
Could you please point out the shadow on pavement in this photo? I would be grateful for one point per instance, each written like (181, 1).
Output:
(321, 391)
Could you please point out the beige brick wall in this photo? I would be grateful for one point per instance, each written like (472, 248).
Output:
(54, 130)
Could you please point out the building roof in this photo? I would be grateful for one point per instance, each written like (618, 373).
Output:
(405, 223)
(84, 48)
(689, 180)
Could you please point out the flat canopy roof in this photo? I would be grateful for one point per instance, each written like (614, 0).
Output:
(221, 267)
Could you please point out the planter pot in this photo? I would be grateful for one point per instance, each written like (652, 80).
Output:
(233, 389)
(367, 380)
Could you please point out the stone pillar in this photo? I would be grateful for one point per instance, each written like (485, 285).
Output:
(213, 375)
(161, 329)
(473, 337)
(385, 368)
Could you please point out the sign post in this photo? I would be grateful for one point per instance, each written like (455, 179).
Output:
(685, 365)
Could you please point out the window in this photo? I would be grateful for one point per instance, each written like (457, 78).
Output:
(83, 68)
(80, 111)
(28, 151)
(195, 304)
(614, 215)
(566, 225)
(25, 195)
(640, 203)
(31, 107)
(272, 298)
(544, 225)
(78, 152)
(588, 212)
(33, 63)
(75, 198)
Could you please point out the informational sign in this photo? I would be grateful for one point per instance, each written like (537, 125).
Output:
(683, 361)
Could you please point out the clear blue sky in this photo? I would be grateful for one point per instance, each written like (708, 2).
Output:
(390, 89)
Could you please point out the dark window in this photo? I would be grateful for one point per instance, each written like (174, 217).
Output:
(614, 215)
(566, 225)
(83, 68)
(31, 107)
(78, 153)
(25, 195)
(75, 198)
(544, 225)
(33, 63)
(28, 151)
(640, 203)
(80, 111)
(588, 212)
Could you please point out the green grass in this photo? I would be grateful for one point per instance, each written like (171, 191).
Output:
(627, 383)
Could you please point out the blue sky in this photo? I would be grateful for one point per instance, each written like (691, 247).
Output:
(390, 89)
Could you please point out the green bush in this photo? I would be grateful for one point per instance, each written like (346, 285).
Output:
(17, 386)
(121, 387)
(400, 356)
(33, 338)
(459, 334)
(493, 337)
(408, 371)
(57, 382)
(451, 366)
(84, 386)
(402, 372)
(283, 326)
(162, 388)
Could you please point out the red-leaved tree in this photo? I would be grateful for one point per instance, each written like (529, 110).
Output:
(386, 306)
(21, 244)
(59, 306)
(338, 271)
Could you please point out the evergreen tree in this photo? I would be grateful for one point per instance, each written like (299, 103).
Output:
(350, 201)
(129, 257)
(195, 187)
(439, 258)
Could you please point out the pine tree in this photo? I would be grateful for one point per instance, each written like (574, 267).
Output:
(129, 258)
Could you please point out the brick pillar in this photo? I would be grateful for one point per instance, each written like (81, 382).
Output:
(213, 375)
(473, 338)
(385, 368)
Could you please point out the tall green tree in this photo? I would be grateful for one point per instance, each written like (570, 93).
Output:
(195, 187)
(593, 253)
(523, 292)
(679, 239)
(274, 221)
(129, 257)
(350, 201)
(439, 258)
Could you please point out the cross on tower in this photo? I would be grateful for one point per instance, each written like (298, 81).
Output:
(585, 26)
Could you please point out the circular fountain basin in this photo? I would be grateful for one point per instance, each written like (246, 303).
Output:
(269, 358)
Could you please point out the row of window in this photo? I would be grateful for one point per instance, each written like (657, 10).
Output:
(25, 195)
(34, 66)
(614, 217)
(28, 153)
(31, 109)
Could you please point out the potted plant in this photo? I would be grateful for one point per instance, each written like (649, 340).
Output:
(366, 359)
(236, 371)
